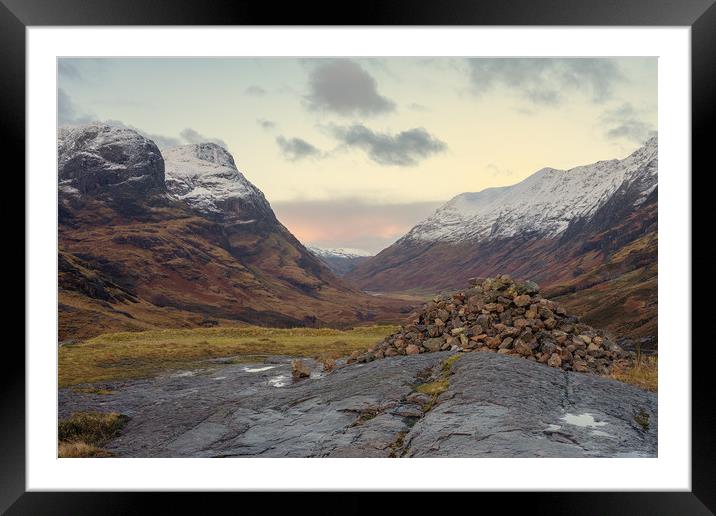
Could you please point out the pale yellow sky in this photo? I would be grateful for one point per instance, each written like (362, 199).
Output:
(381, 131)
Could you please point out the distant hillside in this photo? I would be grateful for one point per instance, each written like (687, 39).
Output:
(341, 260)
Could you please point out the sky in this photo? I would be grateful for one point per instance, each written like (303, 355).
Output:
(353, 152)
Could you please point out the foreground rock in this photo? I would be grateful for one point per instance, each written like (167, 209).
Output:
(488, 405)
(505, 316)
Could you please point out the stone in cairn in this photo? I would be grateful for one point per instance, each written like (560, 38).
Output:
(504, 316)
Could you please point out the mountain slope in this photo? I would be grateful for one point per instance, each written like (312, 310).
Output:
(202, 247)
(587, 231)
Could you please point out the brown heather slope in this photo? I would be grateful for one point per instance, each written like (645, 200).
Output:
(134, 258)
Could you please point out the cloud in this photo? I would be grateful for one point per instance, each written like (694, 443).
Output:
(189, 135)
(163, 142)
(67, 70)
(627, 123)
(295, 149)
(266, 124)
(545, 80)
(414, 106)
(255, 91)
(351, 222)
(342, 86)
(499, 171)
(68, 113)
(403, 149)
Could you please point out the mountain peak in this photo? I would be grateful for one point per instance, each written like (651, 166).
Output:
(208, 151)
(205, 176)
(94, 158)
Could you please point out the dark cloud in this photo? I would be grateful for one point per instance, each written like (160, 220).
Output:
(68, 113)
(189, 135)
(403, 149)
(266, 124)
(545, 80)
(626, 122)
(255, 91)
(294, 149)
(351, 222)
(344, 87)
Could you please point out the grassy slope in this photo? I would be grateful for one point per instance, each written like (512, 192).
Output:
(119, 356)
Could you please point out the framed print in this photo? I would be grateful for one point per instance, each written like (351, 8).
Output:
(302, 251)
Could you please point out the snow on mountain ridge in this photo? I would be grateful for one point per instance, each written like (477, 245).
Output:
(544, 203)
(205, 176)
(341, 252)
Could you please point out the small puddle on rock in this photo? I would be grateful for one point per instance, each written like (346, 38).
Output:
(257, 369)
(585, 420)
(278, 381)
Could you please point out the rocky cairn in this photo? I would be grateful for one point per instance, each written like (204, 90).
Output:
(505, 316)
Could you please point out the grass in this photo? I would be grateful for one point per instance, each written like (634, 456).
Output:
(643, 373)
(642, 419)
(118, 356)
(78, 449)
(84, 433)
(437, 387)
(91, 389)
(447, 364)
(433, 388)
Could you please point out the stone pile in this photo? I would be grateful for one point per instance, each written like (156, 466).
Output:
(505, 316)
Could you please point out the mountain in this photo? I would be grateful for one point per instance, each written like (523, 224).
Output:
(182, 239)
(588, 235)
(341, 260)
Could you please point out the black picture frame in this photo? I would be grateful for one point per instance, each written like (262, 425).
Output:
(700, 15)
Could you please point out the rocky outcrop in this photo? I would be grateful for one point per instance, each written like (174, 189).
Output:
(504, 316)
(487, 405)
(98, 158)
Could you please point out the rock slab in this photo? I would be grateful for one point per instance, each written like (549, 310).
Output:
(494, 406)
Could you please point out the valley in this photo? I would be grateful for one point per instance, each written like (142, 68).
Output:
(190, 313)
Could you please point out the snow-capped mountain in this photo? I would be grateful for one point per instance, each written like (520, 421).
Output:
(202, 248)
(205, 177)
(588, 233)
(341, 260)
(543, 204)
